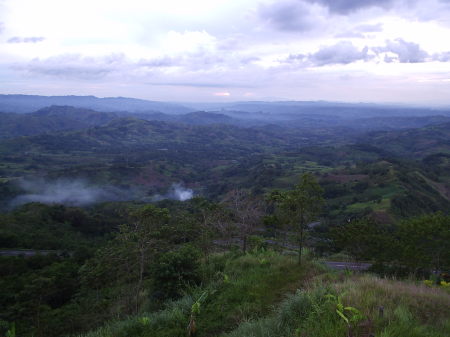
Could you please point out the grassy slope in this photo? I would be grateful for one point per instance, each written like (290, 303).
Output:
(242, 288)
(257, 298)
(409, 310)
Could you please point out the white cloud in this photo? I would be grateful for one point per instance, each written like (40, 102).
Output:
(73, 66)
(343, 52)
(402, 51)
(188, 42)
(292, 15)
(348, 6)
(190, 50)
(28, 39)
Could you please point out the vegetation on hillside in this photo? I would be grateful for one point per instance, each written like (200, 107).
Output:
(224, 263)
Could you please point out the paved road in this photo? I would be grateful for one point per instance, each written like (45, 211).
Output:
(359, 266)
(7, 252)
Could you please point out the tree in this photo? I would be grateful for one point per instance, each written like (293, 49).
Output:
(127, 258)
(419, 244)
(425, 242)
(364, 239)
(246, 210)
(212, 219)
(300, 206)
(143, 237)
(175, 270)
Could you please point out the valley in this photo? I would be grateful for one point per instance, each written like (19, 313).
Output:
(122, 194)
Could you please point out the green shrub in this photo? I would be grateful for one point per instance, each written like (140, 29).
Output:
(176, 270)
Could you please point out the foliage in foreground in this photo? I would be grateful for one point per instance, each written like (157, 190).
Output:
(417, 245)
(237, 305)
(387, 308)
(242, 288)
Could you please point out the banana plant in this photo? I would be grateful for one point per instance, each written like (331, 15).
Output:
(12, 331)
(195, 311)
(350, 315)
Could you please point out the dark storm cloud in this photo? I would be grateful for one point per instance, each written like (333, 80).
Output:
(347, 6)
(405, 52)
(343, 52)
(290, 15)
(31, 39)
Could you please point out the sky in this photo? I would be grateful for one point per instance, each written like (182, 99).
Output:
(385, 51)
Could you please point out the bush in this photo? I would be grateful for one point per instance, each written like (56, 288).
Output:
(176, 270)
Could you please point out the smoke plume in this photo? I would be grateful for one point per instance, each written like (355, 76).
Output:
(67, 192)
(176, 192)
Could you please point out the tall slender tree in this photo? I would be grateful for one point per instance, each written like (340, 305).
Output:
(127, 258)
(247, 211)
(300, 206)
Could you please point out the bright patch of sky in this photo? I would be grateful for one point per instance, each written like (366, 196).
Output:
(228, 50)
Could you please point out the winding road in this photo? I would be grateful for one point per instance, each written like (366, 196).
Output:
(358, 266)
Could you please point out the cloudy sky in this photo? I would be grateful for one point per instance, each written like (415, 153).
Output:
(228, 50)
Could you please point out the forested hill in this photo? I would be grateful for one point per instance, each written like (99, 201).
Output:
(51, 119)
(56, 118)
(112, 131)
(415, 143)
(151, 155)
(63, 118)
(137, 133)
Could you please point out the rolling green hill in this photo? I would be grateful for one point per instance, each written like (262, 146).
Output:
(130, 152)
(50, 119)
(414, 143)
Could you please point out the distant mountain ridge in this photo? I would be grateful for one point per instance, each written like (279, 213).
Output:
(195, 118)
(51, 119)
(31, 103)
(343, 110)
(65, 118)
(73, 128)
(134, 133)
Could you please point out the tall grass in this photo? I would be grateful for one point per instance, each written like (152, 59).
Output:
(306, 313)
(255, 282)
(169, 322)
(255, 296)
(240, 289)
(408, 310)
